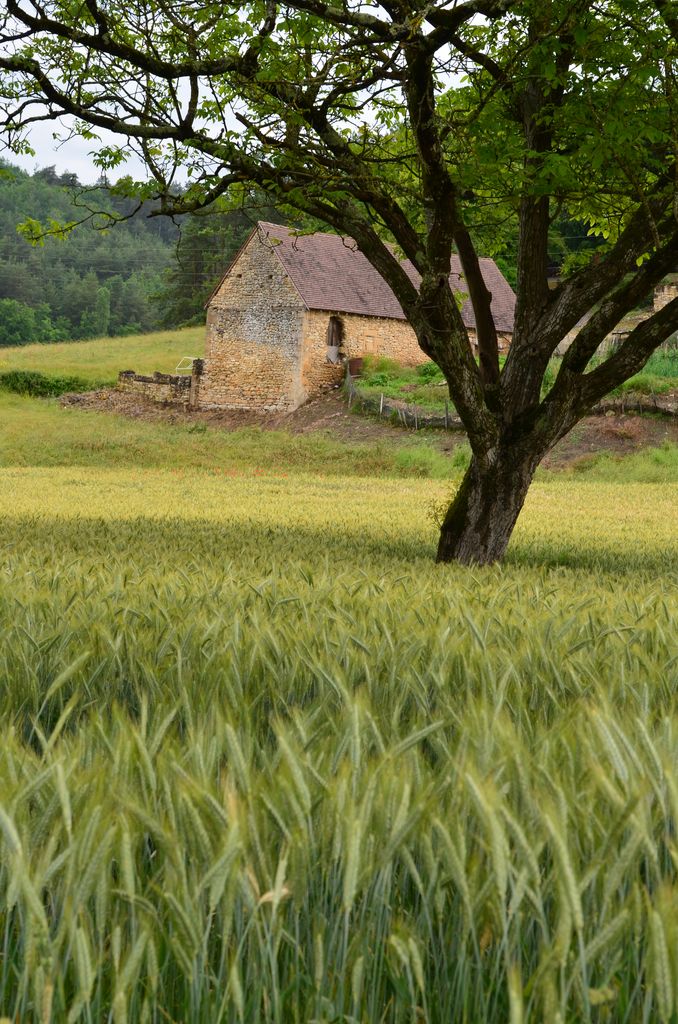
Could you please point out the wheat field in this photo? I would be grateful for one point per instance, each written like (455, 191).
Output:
(261, 761)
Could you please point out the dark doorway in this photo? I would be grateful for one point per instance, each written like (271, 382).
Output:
(335, 339)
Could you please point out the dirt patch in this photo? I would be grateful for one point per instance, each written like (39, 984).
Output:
(619, 433)
(329, 413)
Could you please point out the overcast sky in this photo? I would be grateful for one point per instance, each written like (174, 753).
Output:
(73, 155)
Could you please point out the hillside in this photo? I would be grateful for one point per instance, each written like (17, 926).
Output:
(99, 360)
(87, 283)
(103, 278)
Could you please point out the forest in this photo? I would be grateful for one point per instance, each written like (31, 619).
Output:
(108, 275)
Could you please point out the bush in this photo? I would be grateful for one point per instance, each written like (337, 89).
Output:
(377, 380)
(42, 385)
(429, 371)
(381, 364)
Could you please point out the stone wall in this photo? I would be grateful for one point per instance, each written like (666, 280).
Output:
(665, 293)
(253, 351)
(169, 388)
(363, 335)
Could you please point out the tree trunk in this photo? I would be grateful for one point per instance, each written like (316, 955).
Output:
(480, 520)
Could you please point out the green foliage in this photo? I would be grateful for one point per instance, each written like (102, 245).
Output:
(95, 322)
(422, 385)
(17, 323)
(41, 385)
(378, 380)
(21, 324)
(86, 282)
(429, 372)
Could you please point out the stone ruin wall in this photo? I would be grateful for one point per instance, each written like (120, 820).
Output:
(253, 347)
(165, 388)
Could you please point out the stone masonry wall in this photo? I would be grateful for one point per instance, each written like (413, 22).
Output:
(253, 350)
(161, 387)
(665, 293)
(363, 335)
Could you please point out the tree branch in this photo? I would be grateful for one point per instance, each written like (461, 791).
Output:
(632, 355)
(481, 300)
(617, 305)
(578, 294)
(104, 42)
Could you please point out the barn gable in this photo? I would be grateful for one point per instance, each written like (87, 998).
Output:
(254, 334)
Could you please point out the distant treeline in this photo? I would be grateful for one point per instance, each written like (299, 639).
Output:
(142, 274)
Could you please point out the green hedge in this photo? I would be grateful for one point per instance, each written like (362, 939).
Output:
(43, 385)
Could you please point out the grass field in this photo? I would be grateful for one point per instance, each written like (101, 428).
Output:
(101, 359)
(262, 761)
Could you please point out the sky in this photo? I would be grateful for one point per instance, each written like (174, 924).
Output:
(73, 155)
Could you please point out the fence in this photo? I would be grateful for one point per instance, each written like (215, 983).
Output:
(414, 417)
(410, 416)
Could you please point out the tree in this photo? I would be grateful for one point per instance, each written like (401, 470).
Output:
(17, 323)
(94, 321)
(395, 123)
(67, 271)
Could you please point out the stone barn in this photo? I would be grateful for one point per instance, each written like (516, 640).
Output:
(291, 309)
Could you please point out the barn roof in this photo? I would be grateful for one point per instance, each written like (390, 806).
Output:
(330, 273)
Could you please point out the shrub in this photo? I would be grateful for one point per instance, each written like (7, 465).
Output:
(429, 371)
(42, 385)
(378, 379)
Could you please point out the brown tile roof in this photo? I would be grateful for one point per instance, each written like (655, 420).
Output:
(330, 273)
